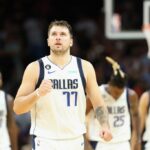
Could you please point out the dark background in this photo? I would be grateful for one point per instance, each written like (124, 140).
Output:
(23, 34)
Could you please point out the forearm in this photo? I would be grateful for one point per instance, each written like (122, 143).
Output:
(23, 104)
(135, 130)
(102, 116)
(13, 133)
(134, 140)
(14, 139)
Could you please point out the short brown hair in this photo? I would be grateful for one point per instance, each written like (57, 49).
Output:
(61, 23)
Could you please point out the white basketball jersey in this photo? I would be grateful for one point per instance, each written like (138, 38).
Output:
(4, 136)
(119, 118)
(61, 113)
(146, 134)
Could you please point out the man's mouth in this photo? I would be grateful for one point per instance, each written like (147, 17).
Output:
(58, 44)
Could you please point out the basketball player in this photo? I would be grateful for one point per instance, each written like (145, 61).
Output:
(53, 89)
(144, 112)
(122, 104)
(8, 128)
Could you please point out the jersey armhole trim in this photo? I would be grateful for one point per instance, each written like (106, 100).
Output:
(79, 63)
(41, 73)
(129, 108)
(7, 107)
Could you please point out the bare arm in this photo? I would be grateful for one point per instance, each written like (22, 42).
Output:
(94, 95)
(26, 95)
(133, 98)
(11, 123)
(102, 116)
(143, 108)
(88, 105)
(89, 115)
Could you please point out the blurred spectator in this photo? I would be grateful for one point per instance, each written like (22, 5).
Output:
(35, 38)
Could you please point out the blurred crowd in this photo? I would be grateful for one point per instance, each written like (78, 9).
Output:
(23, 38)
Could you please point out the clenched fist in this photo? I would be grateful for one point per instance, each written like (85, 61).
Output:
(45, 87)
(106, 134)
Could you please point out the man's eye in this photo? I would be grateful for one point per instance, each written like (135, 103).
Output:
(63, 33)
(53, 34)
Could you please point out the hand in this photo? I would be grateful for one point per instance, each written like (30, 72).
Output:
(106, 134)
(45, 87)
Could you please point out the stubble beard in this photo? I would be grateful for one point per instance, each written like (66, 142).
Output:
(59, 52)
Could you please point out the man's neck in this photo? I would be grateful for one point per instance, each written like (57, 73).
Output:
(60, 60)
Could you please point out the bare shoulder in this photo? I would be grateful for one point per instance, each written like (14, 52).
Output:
(132, 93)
(145, 95)
(88, 69)
(144, 99)
(32, 71)
(33, 67)
(87, 66)
(86, 63)
(133, 97)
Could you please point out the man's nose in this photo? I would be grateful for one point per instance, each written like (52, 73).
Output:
(58, 37)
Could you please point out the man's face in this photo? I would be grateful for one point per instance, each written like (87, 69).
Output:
(115, 91)
(59, 39)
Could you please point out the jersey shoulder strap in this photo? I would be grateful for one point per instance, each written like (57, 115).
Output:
(129, 106)
(7, 108)
(6, 100)
(41, 72)
(128, 99)
(79, 63)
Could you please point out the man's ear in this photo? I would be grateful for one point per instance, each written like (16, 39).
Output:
(71, 43)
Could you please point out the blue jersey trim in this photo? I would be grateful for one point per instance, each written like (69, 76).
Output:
(79, 63)
(129, 108)
(33, 141)
(41, 74)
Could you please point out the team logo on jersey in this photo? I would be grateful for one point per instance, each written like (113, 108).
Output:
(48, 67)
(50, 72)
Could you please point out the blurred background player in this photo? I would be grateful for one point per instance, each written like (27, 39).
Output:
(144, 112)
(8, 128)
(122, 104)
